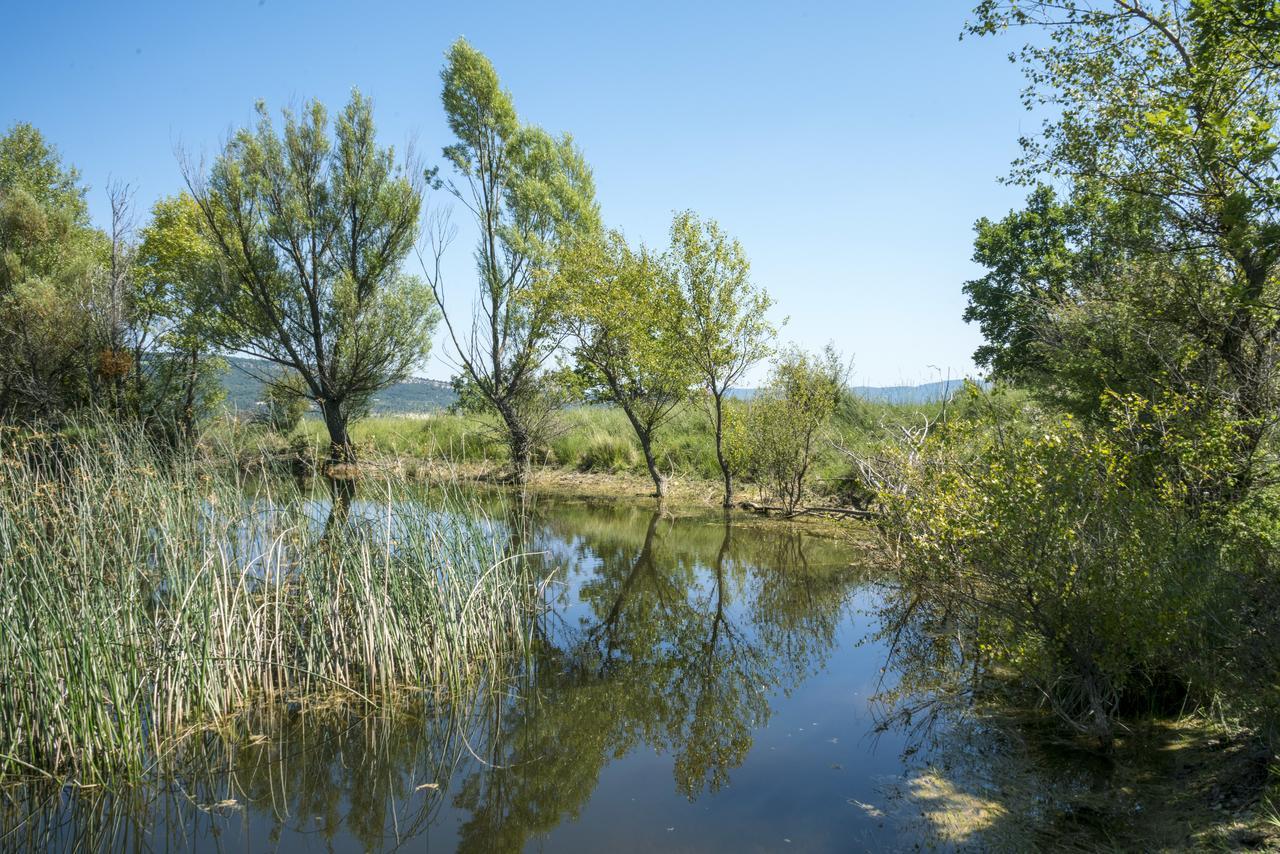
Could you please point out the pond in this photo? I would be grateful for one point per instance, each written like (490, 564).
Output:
(698, 683)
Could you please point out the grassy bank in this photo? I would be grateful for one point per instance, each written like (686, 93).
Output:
(154, 595)
(596, 442)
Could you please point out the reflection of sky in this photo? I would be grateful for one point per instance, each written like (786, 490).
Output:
(810, 767)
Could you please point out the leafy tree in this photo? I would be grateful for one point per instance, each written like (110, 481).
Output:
(1163, 133)
(1031, 259)
(785, 422)
(529, 192)
(179, 284)
(623, 311)
(726, 328)
(49, 257)
(312, 232)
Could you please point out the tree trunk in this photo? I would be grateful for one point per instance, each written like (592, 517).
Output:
(518, 444)
(724, 464)
(659, 482)
(187, 419)
(335, 420)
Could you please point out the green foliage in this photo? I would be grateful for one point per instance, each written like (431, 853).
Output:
(31, 165)
(141, 575)
(529, 193)
(286, 402)
(1156, 274)
(785, 423)
(312, 231)
(1065, 554)
(626, 318)
(1111, 548)
(179, 282)
(49, 258)
(1032, 265)
(607, 452)
(725, 327)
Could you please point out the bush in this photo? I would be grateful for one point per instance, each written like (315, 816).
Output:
(607, 452)
(784, 425)
(1074, 558)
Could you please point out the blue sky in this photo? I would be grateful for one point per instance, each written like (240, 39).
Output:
(849, 146)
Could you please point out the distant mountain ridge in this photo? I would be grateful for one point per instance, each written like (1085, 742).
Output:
(925, 393)
(414, 396)
(419, 396)
(901, 394)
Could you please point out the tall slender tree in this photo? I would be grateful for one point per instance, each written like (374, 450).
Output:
(726, 328)
(528, 192)
(313, 230)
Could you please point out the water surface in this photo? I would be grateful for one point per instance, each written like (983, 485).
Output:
(698, 683)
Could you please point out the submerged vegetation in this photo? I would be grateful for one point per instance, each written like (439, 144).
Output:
(157, 595)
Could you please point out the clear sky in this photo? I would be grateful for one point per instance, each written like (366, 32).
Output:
(849, 146)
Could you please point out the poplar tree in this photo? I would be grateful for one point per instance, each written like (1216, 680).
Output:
(529, 192)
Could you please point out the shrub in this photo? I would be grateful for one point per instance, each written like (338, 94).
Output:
(1074, 558)
(785, 423)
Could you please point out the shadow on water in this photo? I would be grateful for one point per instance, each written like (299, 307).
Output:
(692, 683)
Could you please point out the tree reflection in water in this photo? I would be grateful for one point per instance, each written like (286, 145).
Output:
(688, 628)
(668, 633)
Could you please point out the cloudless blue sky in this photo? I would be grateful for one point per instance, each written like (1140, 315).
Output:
(849, 146)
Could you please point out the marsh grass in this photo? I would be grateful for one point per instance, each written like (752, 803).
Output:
(145, 596)
(586, 439)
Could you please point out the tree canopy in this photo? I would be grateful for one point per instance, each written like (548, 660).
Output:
(528, 192)
(312, 228)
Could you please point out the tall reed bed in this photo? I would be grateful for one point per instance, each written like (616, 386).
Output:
(143, 595)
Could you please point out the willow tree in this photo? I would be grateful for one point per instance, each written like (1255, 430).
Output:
(313, 229)
(529, 192)
(622, 310)
(726, 328)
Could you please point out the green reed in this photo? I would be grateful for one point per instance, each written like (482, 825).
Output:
(143, 596)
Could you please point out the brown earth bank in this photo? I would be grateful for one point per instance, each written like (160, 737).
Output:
(682, 490)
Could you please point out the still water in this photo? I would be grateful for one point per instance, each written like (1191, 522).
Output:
(699, 683)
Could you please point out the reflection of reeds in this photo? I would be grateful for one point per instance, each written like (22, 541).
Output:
(380, 775)
(142, 597)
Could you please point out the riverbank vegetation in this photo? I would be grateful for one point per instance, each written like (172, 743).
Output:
(1093, 534)
(1106, 550)
(157, 595)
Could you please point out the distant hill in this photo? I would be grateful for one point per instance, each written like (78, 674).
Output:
(414, 396)
(926, 393)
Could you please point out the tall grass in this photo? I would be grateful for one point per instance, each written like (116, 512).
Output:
(142, 596)
(586, 439)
